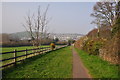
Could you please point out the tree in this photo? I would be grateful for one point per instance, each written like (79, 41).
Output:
(36, 25)
(56, 40)
(70, 41)
(105, 13)
(118, 10)
(116, 27)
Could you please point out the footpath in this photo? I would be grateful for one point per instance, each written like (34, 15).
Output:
(79, 70)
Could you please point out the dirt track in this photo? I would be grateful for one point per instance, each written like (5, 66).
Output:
(79, 71)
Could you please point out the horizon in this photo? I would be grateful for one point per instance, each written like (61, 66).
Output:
(48, 32)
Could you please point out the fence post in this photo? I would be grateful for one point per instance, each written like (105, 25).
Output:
(34, 51)
(26, 53)
(15, 55)
(49, 48)
(45, 49)
(39, 50)
(42, 50)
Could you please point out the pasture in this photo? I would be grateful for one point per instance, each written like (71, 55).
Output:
(10, 55)
(55, 64)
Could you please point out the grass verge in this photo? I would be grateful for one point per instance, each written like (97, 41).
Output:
(55, 64)
(97, 67)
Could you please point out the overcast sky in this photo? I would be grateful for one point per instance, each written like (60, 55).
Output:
(67, 17)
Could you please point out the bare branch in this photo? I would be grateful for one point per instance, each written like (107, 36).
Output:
(36, 24)
(105, 11)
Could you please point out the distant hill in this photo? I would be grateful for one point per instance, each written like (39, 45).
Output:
(25, 35)
(20, 34)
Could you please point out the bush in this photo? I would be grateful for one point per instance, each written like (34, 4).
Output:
(61, 43)
(111, 50)
(79, 43)
(92, 46)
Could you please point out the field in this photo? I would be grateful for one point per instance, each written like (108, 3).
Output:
(55, 64)
(58, 64)
(9, 55)
(8, 49)
(97, 67)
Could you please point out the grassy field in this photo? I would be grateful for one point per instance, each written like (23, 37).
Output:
(8, 49)
(55, 64)
(97, 67)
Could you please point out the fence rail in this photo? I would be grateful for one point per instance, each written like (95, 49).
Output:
(23, 50)
(35, 51)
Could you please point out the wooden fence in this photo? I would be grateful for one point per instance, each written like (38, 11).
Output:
(26, 55)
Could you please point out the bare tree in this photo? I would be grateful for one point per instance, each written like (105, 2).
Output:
(105, 12)
(36, 25)
(118, 10)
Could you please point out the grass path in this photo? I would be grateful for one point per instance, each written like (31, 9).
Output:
(55, 64)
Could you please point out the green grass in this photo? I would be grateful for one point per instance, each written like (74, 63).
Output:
(97, 67)
(55, 64)
(8, 49)
(9, 55)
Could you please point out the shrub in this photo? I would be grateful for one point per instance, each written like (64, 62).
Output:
(61, 43)
(92, 46)
(111, 50)
(52, 46)
(81, 42)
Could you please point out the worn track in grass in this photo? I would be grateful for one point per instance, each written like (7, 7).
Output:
(79, 71)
